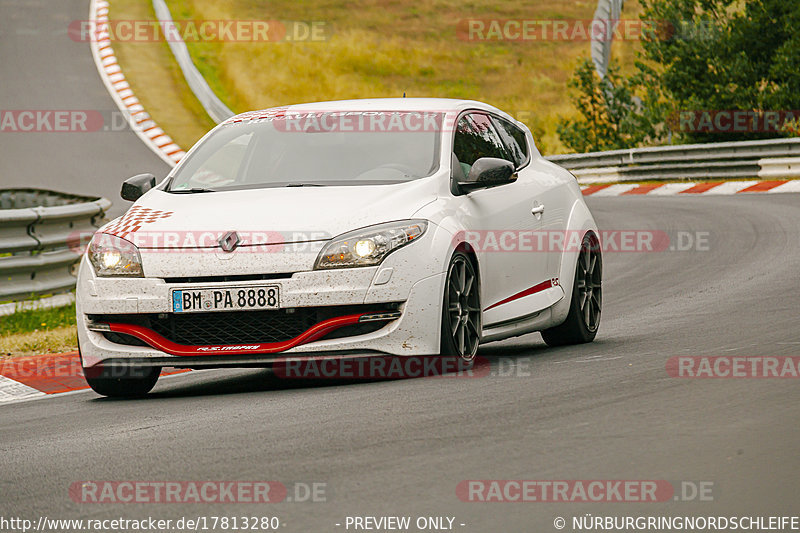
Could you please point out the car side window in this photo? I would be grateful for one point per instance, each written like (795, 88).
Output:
(514, 140)
(475, 138)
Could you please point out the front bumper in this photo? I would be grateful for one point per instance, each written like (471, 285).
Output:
(415, 295)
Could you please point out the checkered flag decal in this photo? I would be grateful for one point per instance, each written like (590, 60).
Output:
(134, 219)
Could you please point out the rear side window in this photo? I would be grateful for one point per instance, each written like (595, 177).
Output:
(475, 138)
(514, 140)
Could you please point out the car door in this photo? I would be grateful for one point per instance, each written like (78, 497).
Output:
(551, 198)
(501, 225)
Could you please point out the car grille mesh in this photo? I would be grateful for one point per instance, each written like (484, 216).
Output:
(234, 327)
(238, 327)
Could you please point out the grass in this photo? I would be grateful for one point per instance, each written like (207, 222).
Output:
(386, 48)
(38, 331)
(376, 48)
(156, 79)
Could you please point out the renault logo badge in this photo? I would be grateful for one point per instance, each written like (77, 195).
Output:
(229, 241)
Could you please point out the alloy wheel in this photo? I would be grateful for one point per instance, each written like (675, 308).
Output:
(463, 308)
(590, 291)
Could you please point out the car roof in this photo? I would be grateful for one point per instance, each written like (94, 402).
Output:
(430, 105)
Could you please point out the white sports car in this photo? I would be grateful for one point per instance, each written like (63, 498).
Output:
(393, 227)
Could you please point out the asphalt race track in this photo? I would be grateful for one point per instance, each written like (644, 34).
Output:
(45, 70)
(607, 410)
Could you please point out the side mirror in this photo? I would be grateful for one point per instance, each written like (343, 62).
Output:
(133, 188)
(488, 172)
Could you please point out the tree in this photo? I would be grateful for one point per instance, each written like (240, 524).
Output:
(705, 60)
(726, 55)
(611, 116)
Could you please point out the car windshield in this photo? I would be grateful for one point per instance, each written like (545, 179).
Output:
(313, 149)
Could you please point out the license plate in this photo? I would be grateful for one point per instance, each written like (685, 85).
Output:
(227, 299)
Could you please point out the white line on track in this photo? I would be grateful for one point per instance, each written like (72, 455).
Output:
(13, 391)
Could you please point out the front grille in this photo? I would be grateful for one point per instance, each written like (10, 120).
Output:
(232, 277)
(241, 327)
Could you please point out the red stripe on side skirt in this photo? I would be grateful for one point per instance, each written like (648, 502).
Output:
(527, 292)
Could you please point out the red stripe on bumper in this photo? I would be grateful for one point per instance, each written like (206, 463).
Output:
(165, 345)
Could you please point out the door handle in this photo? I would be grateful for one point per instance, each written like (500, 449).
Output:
(537, 210)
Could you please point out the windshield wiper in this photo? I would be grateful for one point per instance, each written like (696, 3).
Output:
(192, 190)
(303, 185)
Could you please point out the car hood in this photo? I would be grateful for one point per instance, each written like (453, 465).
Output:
(266, 216)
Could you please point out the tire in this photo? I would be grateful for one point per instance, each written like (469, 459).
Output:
(461, 311)
(585, 308)
(122, 382)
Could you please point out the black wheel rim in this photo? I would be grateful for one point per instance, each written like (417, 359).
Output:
(589, 283)
(463, 309)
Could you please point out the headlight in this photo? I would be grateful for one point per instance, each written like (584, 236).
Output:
(369, 246)
(113, 256)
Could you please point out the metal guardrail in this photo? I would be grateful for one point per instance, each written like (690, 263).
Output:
(42, 236)
(771, 158)
(218, 111)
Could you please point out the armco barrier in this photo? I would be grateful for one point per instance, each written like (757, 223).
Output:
(771, 158)
(217, 110)
(38, 249)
